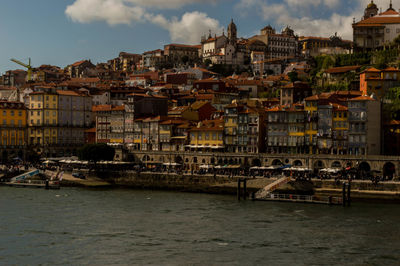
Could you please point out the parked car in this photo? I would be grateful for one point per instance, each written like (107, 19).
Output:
(78, 175)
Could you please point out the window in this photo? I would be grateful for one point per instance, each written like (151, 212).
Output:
(387, 30)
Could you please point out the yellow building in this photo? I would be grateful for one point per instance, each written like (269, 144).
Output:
(296, 117)
(311, 123)
(12, 130)
(207, 135)
(340, 129)
(231, 113)
(43, 120)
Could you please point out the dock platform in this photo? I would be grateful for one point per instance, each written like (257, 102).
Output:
(301, 199)
(33, 184)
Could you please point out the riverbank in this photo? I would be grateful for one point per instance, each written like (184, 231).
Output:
(361, 190)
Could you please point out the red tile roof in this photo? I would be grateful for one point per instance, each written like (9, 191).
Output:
(101, 108)
(344, 69)
(362, 98)
(78, 63)
(379, 21)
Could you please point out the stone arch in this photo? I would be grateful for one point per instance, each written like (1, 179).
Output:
(256, 162)
(319, 164)
(212, 160)
(194, 159)
(220, 161)
(277, 162)
(389, 170)
(286, 161)
(297, 163)
(203, 161)
(336, 164)
(230, 161)
(186, 160)
(146, 158)
(4, 155)
(364, 167)
(178, 159)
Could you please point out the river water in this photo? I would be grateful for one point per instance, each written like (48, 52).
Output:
(76, 226)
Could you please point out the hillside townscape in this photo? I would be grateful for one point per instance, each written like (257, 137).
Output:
(272, 93)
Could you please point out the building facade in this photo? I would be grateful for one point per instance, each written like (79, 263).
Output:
(13, 117)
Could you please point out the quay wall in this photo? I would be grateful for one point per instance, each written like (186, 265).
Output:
(386, 165)
(361, 190)
(165, 181)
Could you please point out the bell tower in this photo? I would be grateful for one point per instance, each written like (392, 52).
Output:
(232, 32)
(371, 10)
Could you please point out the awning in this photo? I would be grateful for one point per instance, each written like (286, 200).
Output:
(233, 166)
(330, 170)
(179, 137)
(217, 147)
(171, 164)
(299, 169)
(272, 167)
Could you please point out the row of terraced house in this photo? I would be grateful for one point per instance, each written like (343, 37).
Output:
(342, 122)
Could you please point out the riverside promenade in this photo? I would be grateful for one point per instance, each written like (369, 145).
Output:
(222, 184)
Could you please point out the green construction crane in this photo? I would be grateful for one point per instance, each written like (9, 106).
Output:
(28, 66)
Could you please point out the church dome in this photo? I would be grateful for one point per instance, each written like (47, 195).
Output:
(372, 5)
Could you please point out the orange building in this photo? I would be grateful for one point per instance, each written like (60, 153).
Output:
(375, 81)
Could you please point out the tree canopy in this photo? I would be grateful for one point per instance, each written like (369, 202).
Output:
(391, 106)
(96, 152)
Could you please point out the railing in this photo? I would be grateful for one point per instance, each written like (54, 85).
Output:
(291, 197)
(305, 198)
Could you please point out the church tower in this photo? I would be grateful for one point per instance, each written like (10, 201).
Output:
(232, 32)
(371, 10)
(391, 6)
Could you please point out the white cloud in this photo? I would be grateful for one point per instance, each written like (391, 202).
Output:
(169, 3)
(112, 11)
(304, 16)
(188, 29)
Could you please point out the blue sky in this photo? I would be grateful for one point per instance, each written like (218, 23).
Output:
(60, 32)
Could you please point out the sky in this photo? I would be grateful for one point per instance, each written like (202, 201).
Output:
(61, 32)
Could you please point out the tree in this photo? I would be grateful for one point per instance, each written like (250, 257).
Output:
(185, 59)
(391, 106)
(96, 152)
(293, 76)
(328, 63)
(207, 62)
